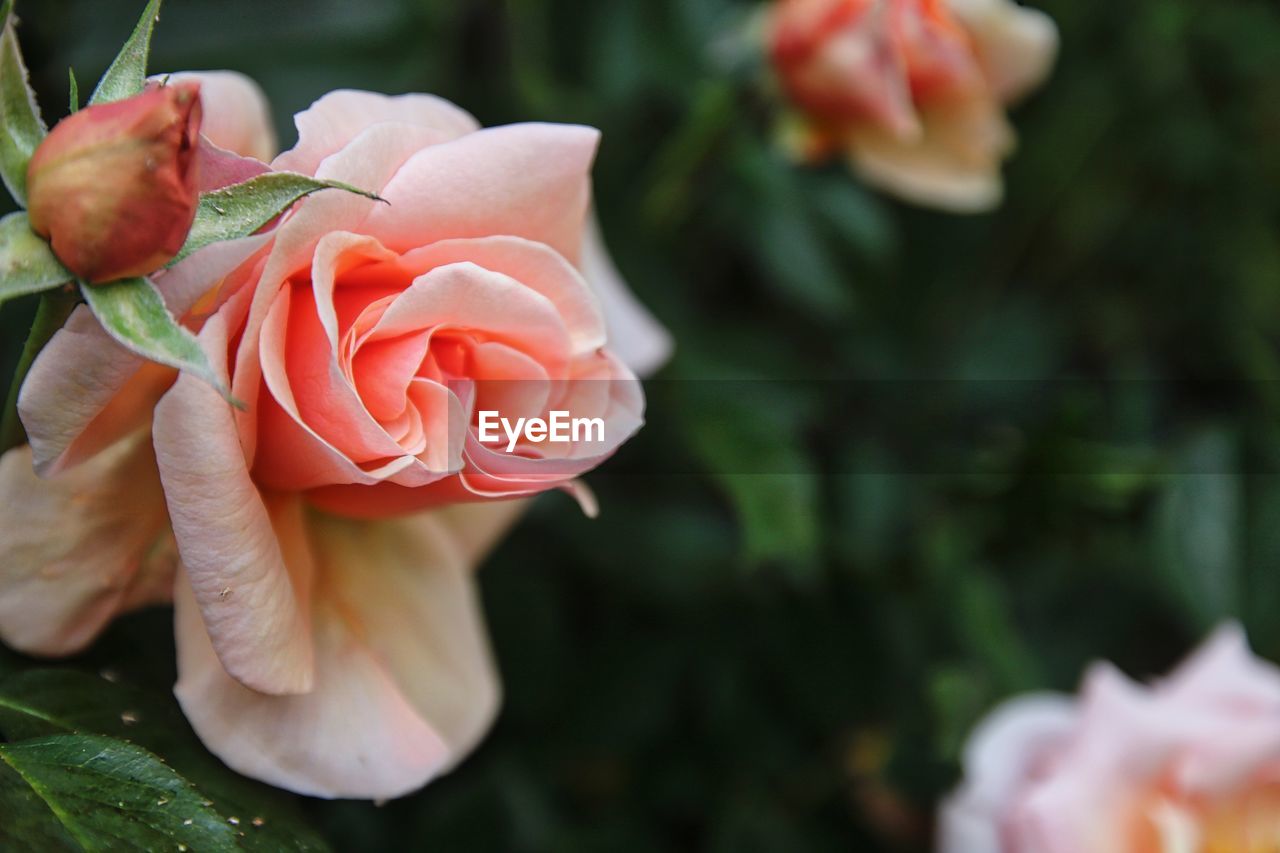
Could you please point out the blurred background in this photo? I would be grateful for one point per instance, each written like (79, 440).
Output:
(959, 458)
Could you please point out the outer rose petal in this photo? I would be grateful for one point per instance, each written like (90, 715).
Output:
(1224, 672)
(521, 180)
(404, 682)
(477, 527)
(235, 542)
(79, 548)
(1001, 754)
(237, 116)
(955, 165)
(635, 336)
(1016, 45)
(340, 116)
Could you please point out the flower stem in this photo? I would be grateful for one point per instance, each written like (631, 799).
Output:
(55, 306)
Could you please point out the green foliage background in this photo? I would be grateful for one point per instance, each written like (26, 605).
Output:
(793, 608)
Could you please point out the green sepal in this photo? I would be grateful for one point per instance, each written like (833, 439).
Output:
(128, 72)
(134, 314)
(27, 263)
(241, 209)
(21, 127)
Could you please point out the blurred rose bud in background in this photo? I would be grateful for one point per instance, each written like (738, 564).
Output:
(114, 187)
(911, 91)
(1191, 763)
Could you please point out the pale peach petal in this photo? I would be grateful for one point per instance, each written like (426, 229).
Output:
(1017, 46)
(521, 180)
(239, 547)
(536, 267)
(635, 335)
(81, 547)
(75, 378)
(332, 122)
(955, 165)
(237, 116)
(404, 684)
(1224, 673)
(478, 527)
(1002, 753)
(85, 391)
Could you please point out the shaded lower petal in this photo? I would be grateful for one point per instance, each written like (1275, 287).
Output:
(954, 166)
(404, 683)
(81, 547)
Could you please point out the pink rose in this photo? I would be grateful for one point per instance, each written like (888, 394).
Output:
(327, 642)
(911, 91)
(1192, 763)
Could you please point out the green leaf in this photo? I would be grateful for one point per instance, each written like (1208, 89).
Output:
(21, 128)
(128, 73)
(1198, 525)
(751, 447)
(91, 792)
(42, 702)
(241, 209)
(133, 312)
(27, 264)
(73, 91)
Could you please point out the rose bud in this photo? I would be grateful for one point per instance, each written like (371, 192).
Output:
(114, 187)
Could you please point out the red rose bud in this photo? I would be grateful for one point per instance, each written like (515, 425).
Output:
(114, 187)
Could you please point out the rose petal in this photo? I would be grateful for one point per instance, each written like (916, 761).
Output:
(237, 117)
(535, 266)
(332, 122)
(1016, 45)
(1002, 753)
(955, 165)
(79, 548)
(404, 681)
(221, 168)
(234, 541)
(522, 180)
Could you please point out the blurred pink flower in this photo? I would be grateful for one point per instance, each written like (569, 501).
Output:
(340, 651)
(911, 91)
(1189, 764)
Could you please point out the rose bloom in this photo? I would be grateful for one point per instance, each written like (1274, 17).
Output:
(1189, 764)
(912, 92)
(328, 634)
